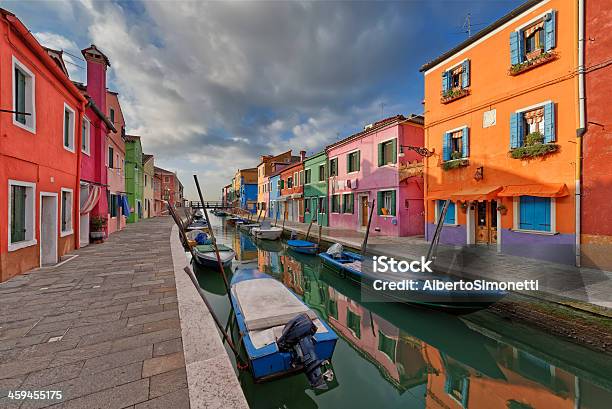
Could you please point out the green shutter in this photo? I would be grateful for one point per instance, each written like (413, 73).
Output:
(348, 163)
(352, 198)
(66, 128)
(380, 154)
(358, 161)
(20, 90)
(394, 151)
(393, 205)
(18, 213)
(379, 202)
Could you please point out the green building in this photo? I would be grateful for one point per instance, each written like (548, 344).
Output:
(315, 189)
(134, 177)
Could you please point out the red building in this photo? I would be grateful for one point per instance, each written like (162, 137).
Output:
(39, 152)
(158, 203)
(596, 223)
(292, 191)
(171, 187)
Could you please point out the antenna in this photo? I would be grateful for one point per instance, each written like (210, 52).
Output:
(382, 110)
(467, 25)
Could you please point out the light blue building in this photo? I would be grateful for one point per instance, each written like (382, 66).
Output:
(274, 209)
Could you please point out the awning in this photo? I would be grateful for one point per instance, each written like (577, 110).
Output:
(441, 194)
(477, 193)
(543, 190)
(92, 199)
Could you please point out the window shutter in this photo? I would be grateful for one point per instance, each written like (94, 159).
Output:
(358, 168)
(66, 128)
(380, 154)
(549, 122)
(550, 41)
(379, 202)
(20, 95)
(516, 130)
(282, 184)
(466, 142)
(465, 74)
(394, 151)
(446, 147)
(445, 81)
(348, 163)
(352, 203)
(515, 51)
(393, 206)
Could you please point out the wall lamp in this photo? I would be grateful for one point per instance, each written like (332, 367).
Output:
(418, 149)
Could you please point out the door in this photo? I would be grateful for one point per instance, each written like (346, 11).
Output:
(48, 229)
(364, 210)
(314, 212)
(84, 218)
(486, 222)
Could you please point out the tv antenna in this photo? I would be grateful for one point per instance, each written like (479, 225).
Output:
(467, 25)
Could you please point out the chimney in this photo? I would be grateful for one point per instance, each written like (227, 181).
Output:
(302, 156)
(96, 75)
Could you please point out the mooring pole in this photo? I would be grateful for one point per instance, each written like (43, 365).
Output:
(276, 218)
(365, 239)
(319, 239)
(284, 218)
(259, 215)
(308, 232)
(178, 222)
(212, 237)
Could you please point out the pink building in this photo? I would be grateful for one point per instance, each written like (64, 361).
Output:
(376, 163)
(115, 161)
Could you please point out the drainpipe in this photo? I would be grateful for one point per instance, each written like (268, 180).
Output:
(581, 128)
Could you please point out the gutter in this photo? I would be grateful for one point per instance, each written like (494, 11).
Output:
(580, 131)
(96, 109)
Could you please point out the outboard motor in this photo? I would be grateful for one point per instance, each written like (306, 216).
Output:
(198, 215)
(298, 338)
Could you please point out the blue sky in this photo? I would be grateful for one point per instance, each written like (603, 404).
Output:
(210, 86)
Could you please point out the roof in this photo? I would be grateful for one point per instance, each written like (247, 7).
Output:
(162, 170)
(517, 11)
(96, 50)
(146, 157)
(132, 138)
(58, 57)
(291, 166)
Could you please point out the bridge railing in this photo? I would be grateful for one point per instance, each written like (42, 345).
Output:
(209, 205)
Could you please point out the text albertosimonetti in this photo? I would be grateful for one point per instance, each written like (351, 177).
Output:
(459, 285)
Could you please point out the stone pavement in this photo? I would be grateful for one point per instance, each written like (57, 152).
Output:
(102, 328)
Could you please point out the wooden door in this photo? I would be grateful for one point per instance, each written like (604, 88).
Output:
(486, 222)
(364, 211)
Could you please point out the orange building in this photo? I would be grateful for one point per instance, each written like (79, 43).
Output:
(501, 115)
(264, 170)
(39, 152)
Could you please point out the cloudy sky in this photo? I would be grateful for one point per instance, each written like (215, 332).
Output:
(210, 86)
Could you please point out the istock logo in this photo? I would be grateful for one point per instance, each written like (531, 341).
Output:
(384, 264)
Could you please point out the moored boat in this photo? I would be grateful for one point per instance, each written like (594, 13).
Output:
(303, 246)
(197, 224)
(205, 255)
(280, 334)
(267, 232)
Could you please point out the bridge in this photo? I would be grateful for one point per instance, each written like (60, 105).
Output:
(210, 205)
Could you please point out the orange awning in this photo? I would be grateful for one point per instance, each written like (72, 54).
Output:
(477, 193)
(543, 190)
(441, 194)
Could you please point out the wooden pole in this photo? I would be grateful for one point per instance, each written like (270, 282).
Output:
(178, 222)
(308, 232)
(365, 239)
(276, 217)
(194, 280)
(284, 218)
(259, 215)
(212, 237)
(319, 239)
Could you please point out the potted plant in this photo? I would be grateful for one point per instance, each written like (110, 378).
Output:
(464, 206)
(97, 225)
(502, 208)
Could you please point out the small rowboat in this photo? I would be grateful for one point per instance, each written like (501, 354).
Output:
(198, 224)
(247, 226)
(303, 246)
(281, 335)
(232, 220)
(205, 255)
(266, 231)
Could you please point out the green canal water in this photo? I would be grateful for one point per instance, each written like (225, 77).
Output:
(397, 356)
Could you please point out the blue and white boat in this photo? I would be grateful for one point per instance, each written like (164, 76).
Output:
(303, 246)
(206, 256)
(281, 334)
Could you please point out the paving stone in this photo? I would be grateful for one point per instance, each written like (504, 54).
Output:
(167, 382)
(145, 339)
(174, 400)
(24, 366)
(117, 359)
(52, 375)
(162, 364)
(112, 398)
(168, 347)
(160, 325)
(133, 312)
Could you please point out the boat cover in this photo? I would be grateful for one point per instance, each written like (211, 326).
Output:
(300, 243)
(266, 303)
(207, 248)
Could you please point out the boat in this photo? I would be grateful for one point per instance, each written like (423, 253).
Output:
(205, 255)
(303, 246)
(248, 226)
(266, 231)
(232, 220)
(281, 335)
(197, 224)
(455, 301)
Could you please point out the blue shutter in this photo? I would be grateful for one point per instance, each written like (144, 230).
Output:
(446, 147)
(526, 213)
(542, 214)
(516, 130)
(466, 142)
(549, 122)
(550, 41)
(445, 81)
(465, 74)
(515, 51)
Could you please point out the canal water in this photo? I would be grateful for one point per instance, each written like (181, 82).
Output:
(397, 356)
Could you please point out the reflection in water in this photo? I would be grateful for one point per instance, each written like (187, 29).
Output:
(392, 355)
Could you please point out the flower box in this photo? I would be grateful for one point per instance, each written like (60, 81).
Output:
(536, 61)
(533, 151)
(455, 163)
(453, 94)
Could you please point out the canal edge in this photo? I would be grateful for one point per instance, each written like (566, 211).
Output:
(211, 378)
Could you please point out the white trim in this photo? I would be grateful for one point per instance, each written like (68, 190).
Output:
(23, 67)
(436, 213)
(396, 202)
(64, 233)
(516, 217)
(499, 228)
(72, 126)
(470, 224)
(397, 145)
(533, 20)
(530, 107)
(57, 206)
(486, 37)
(88, 151)
(456, 65)
(457, 129)
(26, 243)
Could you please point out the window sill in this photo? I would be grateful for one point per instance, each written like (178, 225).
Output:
(455, 163)
(66, 233)
(454, 95)
(353, 172)
(21, 245)
(68, 148)
(386, 216)
(538, 232)
(522, 67)
(31, 129)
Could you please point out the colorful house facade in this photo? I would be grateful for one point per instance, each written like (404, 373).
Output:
(134, 177)
(245, 189)
(275, 194)
(596, 231)
(148, 194)
(158, 203)
(115, 164)
(264, 169)
(500, 117)
(369, 166)
(315, 189)
(39, 153)
(171, 186)
(292, 191)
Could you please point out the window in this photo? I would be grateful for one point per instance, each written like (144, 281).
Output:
(24, 95)
(289, 182)
(335, 203)
(450, 212)
(535, 213)
(68, 128)
(21, 214)
(333, 167)
(456, 78)
(353, 322)
(456, 144)
(66, 212)
(296, 180)
(112, 203)
(112, 115)
(307, 176)
(532, 41)
(386, 203)
(145, 181)
(322, 204)
(457, 385)
(387, 152)
(386, 345)
(347, 203)
(111, 157)
(332, 308)
(321, 173)
(352, 162)
(85, 136)
(533, 125)
(167, 179)
(301, 178)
